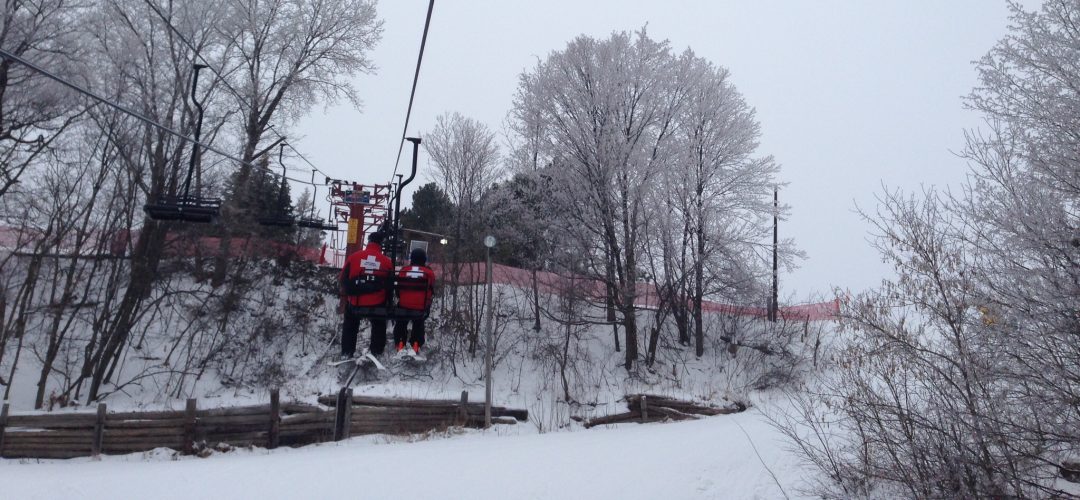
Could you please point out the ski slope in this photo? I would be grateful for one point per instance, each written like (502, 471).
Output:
(710, 458)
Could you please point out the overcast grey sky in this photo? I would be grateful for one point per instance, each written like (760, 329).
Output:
(851, 94)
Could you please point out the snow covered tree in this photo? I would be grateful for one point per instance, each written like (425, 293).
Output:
(718, 190)
(962, 378)
(520, 221)
(632, 136)
(282, 57)
(146, 67)
(1022, 221)
(466, 160)
(605, 109)
(33, 109)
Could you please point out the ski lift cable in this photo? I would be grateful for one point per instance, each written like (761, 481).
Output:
(12, 57)
(224, 81)
(412, 95)
(302, 157)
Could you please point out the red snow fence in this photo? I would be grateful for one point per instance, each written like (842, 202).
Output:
(200, 431)
(474, 273)
(116, 244)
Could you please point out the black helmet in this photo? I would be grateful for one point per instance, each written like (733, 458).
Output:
(418, 257)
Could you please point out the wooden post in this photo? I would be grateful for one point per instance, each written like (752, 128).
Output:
(3, 422)
(99, 431)
(273, 437)
(463, 411)
(644, 409)
(189, 427)
(346, 431)
(344, 400)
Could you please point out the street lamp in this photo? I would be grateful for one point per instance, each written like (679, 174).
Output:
(489, 242)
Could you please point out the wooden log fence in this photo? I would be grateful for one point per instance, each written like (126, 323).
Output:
(643, 408)
(192, 430)
(469, 411)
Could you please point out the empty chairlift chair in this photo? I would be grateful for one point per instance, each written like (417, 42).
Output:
(313, 221)
(187, 207)
(281, 218)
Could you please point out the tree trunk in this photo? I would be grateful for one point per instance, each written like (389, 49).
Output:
(536, 302)
(628, 309)
(609, 285)
(20, 314)
(630, 327)
(681, 313)
(679, 309)
(699, 266)
(699, 292)
(654, 340)
(144, 265)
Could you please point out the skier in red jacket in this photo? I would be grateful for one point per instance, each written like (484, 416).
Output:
(363, 281)
(416, 283)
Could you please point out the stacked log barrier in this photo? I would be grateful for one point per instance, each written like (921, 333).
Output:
(644, 408)
(379, 415)
(188, 431)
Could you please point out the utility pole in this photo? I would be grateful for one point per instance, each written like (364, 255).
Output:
(489, 242)
(773, 304)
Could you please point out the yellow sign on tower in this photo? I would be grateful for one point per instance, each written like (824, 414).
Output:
(354, 229)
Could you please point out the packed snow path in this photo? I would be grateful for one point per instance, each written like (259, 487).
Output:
(709, 458)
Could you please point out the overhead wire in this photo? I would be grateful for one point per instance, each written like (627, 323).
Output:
(240, 99)
(412, 94)
(225, 82)
(52, 76)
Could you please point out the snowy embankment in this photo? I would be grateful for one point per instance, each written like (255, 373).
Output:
(552, 456)
(708, 458)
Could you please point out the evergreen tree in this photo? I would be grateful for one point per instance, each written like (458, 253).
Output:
(430, 210)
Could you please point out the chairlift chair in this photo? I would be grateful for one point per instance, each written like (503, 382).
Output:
(395, 313)
(313, 221)
(187, 207)
(184, 208)
(282, 218)
(396, 283)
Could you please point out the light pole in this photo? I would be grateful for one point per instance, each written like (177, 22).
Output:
(774, 305)
(489, 242)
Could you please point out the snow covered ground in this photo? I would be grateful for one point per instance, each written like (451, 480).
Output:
(708, 458)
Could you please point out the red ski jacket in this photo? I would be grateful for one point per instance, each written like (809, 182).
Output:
(375, 268)
(415, 285)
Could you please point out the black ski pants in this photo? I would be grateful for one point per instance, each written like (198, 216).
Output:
(402, 335)
(351, 327)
